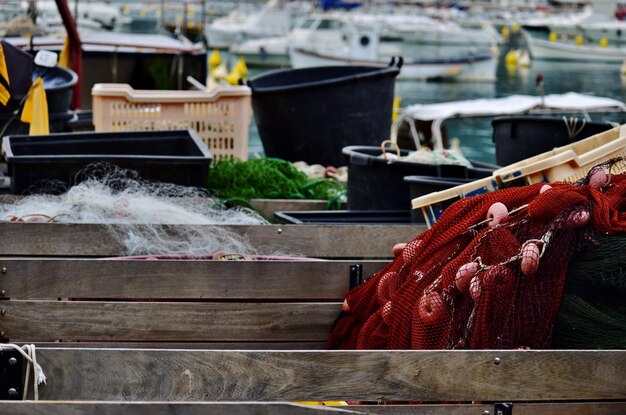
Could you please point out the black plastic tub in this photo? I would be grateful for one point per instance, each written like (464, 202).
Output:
(423, 185)
(311, 114)
(177, 157)
(59, 84)
(375, 183)
(520, 137)
(353, 217)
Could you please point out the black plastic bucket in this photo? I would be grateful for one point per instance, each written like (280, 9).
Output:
(520, 137)
(59, 83)
(375, 183)
(311, 114)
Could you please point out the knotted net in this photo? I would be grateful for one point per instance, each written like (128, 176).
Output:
(469, 284)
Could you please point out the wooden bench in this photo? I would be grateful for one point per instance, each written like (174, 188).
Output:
(246, 337)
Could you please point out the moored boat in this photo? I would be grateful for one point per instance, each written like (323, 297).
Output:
(547, 50)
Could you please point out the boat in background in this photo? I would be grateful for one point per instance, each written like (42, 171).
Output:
(334, 40)
(272, 20)
(548, 50)
(143, 61)
(264, 52)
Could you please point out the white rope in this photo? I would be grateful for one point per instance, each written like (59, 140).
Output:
(571, 125)
(28, 351)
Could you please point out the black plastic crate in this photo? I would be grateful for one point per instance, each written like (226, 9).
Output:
(178, 157)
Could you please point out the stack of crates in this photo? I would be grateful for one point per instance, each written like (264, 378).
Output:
(562, 164)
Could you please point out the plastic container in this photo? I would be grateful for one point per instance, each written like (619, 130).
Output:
(220, 117)
(425, 185)
(318, 217)
(376, 183)
(568, 163)
(432, 205)
(59, 84)
(311, 114)
(177, 157)
(520, 137)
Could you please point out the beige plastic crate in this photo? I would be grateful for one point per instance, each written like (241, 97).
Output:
(565, 164)
(221, 117)
(568, 163)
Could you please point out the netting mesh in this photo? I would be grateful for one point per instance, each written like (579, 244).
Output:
(468, 283)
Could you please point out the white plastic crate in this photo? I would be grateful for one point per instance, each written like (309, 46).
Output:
(220, 117)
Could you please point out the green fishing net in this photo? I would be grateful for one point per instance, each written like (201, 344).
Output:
(270, 178)
(593, 310)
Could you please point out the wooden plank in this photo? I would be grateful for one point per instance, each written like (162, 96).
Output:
(168, 408)
(247, 345)
(203, 375)
(282, 408)
(560, 408)
(160, 321)
(324, 241)
(91, 278)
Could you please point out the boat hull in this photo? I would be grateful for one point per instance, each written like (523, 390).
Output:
(546, 50)
(479, 68)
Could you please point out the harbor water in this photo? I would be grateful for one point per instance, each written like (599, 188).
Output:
(599, 79)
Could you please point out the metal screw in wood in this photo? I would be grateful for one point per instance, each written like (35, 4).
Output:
(12, 392)
(4, 270)
(3, 311)
(496, 361)
(12, 361)
(279, 231)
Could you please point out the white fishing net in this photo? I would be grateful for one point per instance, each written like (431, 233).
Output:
(110, 195)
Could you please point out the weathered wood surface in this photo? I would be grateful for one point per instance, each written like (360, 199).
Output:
(560, 408)
(249, 345)
(37, 278)
(169, 408)
(282, 408)
(325, 241)
(166, 321)
(201, 375)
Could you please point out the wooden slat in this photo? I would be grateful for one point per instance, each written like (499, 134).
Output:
(91, 278)
(168, 408)
(247, 345)
(560, 408)
(326, 241)
(201, 375)
(281, 408)
(173, 321)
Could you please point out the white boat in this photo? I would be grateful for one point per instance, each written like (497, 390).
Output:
(614, 31)
(264, 52)
(436, 32)
(547, 50)
(274, 19)
(316, 45)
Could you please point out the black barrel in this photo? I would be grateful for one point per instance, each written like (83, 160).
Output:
(375, 183)
(311, 114)
(520, 137)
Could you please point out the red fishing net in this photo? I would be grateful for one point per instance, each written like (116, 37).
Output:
(472, 283)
